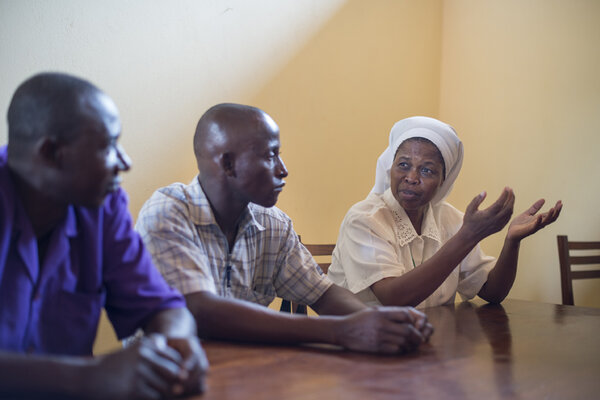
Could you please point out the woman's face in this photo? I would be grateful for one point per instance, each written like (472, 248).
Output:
(416, 174)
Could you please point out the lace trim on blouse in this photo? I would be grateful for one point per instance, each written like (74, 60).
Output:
(403, 228)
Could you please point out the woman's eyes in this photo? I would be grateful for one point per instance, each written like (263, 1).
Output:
(424, 170)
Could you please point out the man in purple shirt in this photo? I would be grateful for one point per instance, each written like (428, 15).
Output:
(67, 249)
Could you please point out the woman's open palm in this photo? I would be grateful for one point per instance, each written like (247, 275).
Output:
(529, 222)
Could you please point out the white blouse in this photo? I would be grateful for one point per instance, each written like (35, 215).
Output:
(377, 241)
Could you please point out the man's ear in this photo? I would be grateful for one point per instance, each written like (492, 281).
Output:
(49, 152)
(228, 164)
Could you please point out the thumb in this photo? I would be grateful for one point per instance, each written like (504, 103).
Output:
(535, 207)
(475, 203)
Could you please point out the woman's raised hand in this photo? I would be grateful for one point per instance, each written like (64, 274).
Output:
(479, 224)
(530, 221)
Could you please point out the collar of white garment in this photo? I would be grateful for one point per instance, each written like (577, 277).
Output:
(405, 232)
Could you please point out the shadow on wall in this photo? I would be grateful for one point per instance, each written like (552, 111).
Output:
(369, 65)
(338, 97)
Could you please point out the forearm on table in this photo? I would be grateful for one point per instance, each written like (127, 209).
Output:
(502, 276)
(38, 377)
(416, 285)
(172, 322)
(237, 320)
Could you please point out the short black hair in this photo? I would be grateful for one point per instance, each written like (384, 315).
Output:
(46, 104)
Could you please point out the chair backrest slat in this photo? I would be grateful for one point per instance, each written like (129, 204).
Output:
(583, 260)
(585, 274)
(567, 275)
(319, 250)
(584, 245)
(316, 250)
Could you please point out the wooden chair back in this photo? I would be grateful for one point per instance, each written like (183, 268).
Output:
(321, 250)
(318, 251)
(567, 260)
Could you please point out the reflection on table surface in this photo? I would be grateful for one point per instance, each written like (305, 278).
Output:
(515, 350)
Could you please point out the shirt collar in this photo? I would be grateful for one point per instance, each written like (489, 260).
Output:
(201, 213)
(405, 232)
(70, 222)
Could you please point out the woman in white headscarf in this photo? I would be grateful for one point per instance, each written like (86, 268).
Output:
(404, 245)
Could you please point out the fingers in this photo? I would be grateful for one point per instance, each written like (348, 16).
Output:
(421, 323)
(410, 315)
(161, 366)
(152, 383)
(158, 345)
(402, 339)
(383, 329)
(535, 207)
(427, 331)
(504, 202)
(405, 328)
(475, 203)
(552, 214)
(194, 365)
(400, 314)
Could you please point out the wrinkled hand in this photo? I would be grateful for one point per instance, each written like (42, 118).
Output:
(421, 323)
(388, 330)
(530, 221)
(479, 224)
(194, 364)
(148, 369)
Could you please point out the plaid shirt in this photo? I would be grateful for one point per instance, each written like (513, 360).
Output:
(267, 259)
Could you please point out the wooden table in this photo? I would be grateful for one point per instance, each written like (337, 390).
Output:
(518, 350)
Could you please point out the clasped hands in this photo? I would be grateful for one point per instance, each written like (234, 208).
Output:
(151, 368)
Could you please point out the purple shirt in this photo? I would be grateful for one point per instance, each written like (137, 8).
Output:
(94, 259)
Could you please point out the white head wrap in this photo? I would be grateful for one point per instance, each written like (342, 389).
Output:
(440, 134)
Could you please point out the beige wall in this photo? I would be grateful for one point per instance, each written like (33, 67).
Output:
(516, 79)
(521, 84)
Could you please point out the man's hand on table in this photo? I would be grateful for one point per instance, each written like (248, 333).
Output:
(388, 330)
(154, 367)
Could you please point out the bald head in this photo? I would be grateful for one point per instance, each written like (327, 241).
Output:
(47, 105)
(237, 150)
(225, 127)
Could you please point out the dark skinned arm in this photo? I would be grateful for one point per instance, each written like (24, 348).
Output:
(502, 277)
(179, 328)
(337, 301)
(148, 369)
(419, 283)
(416, 285)
(386, 330)
(154, 366)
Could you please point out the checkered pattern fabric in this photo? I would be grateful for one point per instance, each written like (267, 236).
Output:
(267, 259)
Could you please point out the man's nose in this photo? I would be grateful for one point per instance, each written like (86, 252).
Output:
(281, 170)
(123, 160)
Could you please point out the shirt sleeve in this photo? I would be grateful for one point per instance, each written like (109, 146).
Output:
(171, 238)
(365, 253)
(135, 290)
(299, 277)
(474, 270)
(475, 267)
